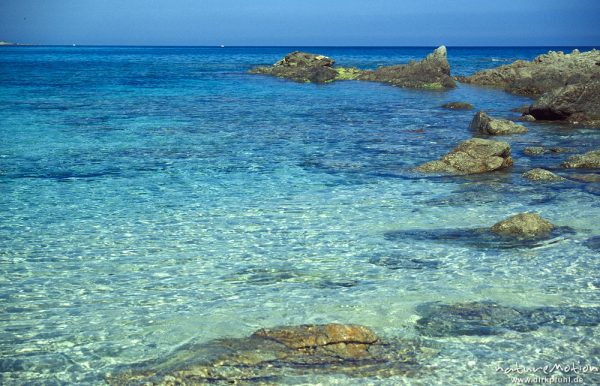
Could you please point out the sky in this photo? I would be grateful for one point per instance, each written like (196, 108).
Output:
(302, 22)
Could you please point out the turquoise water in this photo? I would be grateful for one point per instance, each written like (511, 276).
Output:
(150, 196)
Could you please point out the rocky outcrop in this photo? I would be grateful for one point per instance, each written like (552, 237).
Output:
(591, 159)
(470, 157)
(576, 103)
(542, 175)
(458, 106)
(491, 126)
(567, 85)
(433, 72)
(543, 74)
(269, 355)
(523, 225)
(490, 318)
(301, 67)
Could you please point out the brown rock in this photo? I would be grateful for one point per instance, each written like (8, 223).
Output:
(591, 159)
(523, 225)
(542, 175)
(487, 125)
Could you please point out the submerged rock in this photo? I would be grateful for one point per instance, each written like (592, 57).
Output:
(491, 126)
(433, 72)
(523, 225)
(588, 177)
(490, 318)
(593, 243)
(545, 73)
(591, 159)
(540, 150)
(575, 103)
(526, 118)
(301, 67)
(268, 355)
(458, 106)
(542, 175)
(470, 157)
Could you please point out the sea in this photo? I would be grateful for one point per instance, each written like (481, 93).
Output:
(153, 196)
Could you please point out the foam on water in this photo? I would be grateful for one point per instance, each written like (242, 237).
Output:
(151, 196)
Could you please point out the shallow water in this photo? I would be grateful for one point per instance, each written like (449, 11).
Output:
(151, 196)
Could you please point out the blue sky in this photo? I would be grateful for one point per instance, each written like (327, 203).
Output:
(302, 22)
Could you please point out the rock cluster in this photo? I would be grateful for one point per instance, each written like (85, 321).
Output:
(567, 85)
(433, 72)
(473, 156)
(491, 126)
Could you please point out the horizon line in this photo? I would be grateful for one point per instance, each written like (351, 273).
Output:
(292, 45)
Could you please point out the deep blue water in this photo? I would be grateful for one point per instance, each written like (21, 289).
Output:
(153, 195)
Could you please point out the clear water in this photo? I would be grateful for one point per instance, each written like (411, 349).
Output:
(150, 196)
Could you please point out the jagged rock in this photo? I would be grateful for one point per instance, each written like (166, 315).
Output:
(523, 225)
(591, 159)
(540, 150)
(545, 73)
(301, 67)
(490, 318)
(542, 175)
(433, 72)
(575, 103)
(269, 355)
(458, 106)
(491, 126)
(472, 156)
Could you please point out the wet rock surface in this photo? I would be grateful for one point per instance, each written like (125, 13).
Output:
(433, 72)
(458, 106)
(491, 126)
(523, 225)
(542, 175)
(471, 157)
(490, 318)
(589, 160)
(268, 355)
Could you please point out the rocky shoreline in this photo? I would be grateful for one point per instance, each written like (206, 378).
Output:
(568, 90)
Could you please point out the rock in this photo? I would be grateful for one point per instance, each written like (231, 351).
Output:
(593, 243)
(470, 157)
(535, 150)
(540, 150)
(270, 355)
(490, 318)
(542, 175)
(458, 106)
(575, 103)
(433, 72)
(527, 118)
(487, 125)
(523, 225)
(301, 67)
(590, 160)
(545, 73)
(306, 336)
